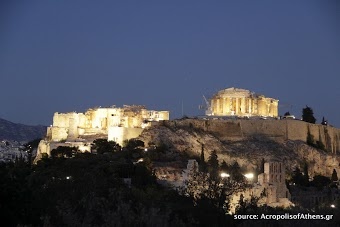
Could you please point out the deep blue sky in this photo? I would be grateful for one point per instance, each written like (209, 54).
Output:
(60, 56)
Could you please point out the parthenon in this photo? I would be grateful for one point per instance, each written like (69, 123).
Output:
(241, 102)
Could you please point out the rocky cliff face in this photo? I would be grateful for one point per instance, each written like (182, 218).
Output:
(20, 132)
(245, 148)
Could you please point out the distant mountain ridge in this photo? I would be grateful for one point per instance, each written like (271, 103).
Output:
(20, 132)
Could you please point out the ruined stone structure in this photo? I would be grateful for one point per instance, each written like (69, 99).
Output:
(113, 123)
(270, 188)
(273, 179)
(241, 102)
(311, 197)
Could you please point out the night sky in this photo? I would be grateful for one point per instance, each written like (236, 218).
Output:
(63, 56)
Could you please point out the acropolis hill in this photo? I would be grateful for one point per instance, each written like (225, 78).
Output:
(216, 132)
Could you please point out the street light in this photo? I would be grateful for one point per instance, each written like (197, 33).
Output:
(332, 206)
(249, 176)
(224, 175)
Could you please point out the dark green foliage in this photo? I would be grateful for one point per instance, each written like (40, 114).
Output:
(308, 115)
(88, 190)
(102, 146)
(133, 144)
(213, 165)
(211, 196)
(62, 151)
(236, 173)
(15, 196)
(160, 153)
(202, 163)
(224, 167)
(298, 178)
(287, 114)
(247, 206)
(320, 181)
(334, 176)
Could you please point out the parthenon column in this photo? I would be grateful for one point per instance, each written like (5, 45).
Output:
(227, 105)
(254, 106)
(243, 105)
(224, 104)
(218, 106)
(221, 106)
(213, 105)
(237, 106)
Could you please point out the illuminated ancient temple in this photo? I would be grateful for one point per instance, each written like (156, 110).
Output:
(241, 102)
(112, 123)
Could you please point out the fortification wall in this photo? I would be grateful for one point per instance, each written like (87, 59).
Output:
(98, 118)
(63, 119)
(43, 147)
(49, 133)
(271, 128)
(59, 134)
(119, 134)
(275, 129)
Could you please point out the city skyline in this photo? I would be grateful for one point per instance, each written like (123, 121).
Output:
(71, 56)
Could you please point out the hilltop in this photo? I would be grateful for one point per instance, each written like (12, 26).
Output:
(20, 132)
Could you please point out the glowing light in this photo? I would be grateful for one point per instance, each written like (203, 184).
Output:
(249, 176)
(332, 206)
(223, 175)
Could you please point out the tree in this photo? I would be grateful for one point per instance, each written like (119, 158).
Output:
(206, 191)
(235, 172)
(320, 181)
(305, 174)
(224, 167)
(202, 164)
(308, 115)
(134, 144)
(247, 206)
(213, 165)
(297, 177)
(334, 176)
(287, 114)
(102, 146)
(63, 151)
